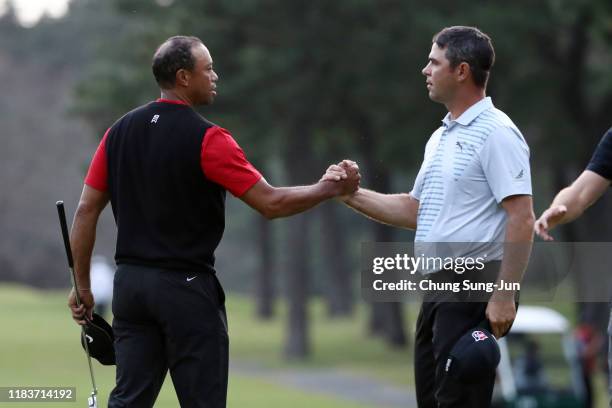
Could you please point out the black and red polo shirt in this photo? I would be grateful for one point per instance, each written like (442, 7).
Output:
(167, 169)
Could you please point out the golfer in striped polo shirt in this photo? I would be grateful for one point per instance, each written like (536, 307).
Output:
(474, 185)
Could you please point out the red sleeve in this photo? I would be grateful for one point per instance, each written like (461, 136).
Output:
(97, 175)
(224, 163)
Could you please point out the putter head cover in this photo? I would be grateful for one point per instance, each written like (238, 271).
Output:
(100, 339)
(474, 356)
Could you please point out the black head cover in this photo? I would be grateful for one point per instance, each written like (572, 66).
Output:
(100, 339)
(474, 356)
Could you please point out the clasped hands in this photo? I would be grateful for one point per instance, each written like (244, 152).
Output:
(346, 177)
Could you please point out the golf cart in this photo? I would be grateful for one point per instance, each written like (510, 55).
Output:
(538, 366)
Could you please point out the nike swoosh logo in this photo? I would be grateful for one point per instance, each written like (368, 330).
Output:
(89, 338)
(192, 278)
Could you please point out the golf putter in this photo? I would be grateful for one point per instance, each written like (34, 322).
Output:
(92, 401)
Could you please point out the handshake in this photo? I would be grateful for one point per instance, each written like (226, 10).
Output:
(345, 178)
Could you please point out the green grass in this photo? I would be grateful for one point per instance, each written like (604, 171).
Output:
(254, 393)
(39, 347)
(340, 344)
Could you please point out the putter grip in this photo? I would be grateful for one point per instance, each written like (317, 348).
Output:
(62, 218)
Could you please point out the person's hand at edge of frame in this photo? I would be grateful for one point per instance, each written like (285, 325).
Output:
(548, 220)
(79, 313)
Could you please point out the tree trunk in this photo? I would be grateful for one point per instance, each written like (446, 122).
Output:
(386, 319)
(298, 344)
(264, 286)
(299, 169)
(339, 289)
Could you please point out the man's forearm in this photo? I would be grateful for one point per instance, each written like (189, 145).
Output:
(570, 198)
(287, 201)
(399, 210)
(82, 240)
(517, 249)
(583, 192)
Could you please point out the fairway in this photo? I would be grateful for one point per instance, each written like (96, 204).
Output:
(40, 348)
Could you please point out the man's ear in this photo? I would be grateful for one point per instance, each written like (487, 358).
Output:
(183, 77)
(463, 71)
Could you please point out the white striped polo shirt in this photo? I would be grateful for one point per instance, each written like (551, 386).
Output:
(470, 165)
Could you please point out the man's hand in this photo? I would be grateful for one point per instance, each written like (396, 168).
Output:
(548, 220)
(346, 173)
(86, 307)
(353, 178)
(348, 164)
(349, 185)
(501, 314)
(334, 173)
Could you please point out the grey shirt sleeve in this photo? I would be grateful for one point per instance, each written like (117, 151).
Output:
(505, 162)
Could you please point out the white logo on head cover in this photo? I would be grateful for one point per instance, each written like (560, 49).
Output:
(479, 336)
(192, 278)
(155, 117)
(89, 338)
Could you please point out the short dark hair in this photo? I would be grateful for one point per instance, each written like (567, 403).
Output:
(468, 44)
(174, 54)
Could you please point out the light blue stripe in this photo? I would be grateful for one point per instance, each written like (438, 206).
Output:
(432, 207)
(476, 131)
(463, 159)
(495, 122)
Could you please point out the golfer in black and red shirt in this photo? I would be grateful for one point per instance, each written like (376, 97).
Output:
(165, 170)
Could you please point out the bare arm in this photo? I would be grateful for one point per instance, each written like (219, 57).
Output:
(274, 202)
(501, 309)
(571, 202)
(399, 210)
(82, 239)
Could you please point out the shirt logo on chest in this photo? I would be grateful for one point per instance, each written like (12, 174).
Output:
(465, 151)
(154, 119)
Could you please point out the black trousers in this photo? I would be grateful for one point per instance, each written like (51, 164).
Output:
(445, 317)
(169, 320)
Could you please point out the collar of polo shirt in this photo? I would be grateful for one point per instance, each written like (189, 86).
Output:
(470, 114)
